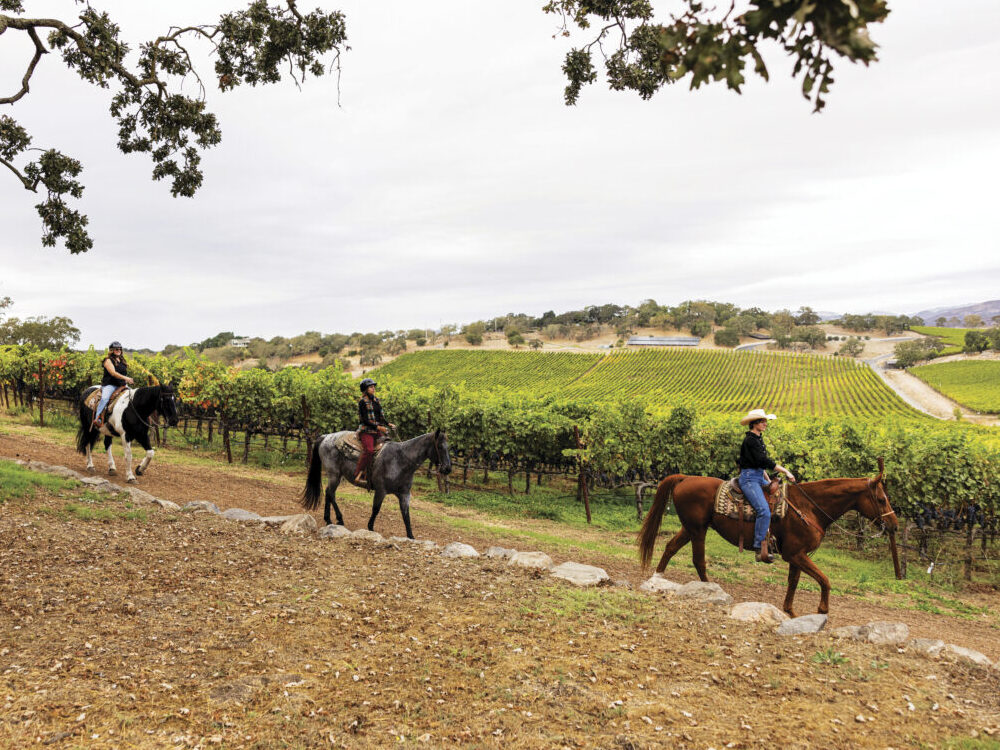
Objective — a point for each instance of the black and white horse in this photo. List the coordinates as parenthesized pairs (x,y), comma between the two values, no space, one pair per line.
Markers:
(392,472)
(129,420)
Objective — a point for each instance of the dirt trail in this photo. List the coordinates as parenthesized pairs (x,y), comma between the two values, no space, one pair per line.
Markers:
(274,493)
(189,631)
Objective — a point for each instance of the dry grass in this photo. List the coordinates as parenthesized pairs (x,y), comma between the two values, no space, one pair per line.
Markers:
(184,630)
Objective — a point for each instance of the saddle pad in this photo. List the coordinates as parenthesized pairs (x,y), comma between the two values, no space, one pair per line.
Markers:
(94,398)
(350,444)
(728,497)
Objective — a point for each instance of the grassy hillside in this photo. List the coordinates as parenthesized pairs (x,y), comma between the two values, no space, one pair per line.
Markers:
(975,384)
(709,380)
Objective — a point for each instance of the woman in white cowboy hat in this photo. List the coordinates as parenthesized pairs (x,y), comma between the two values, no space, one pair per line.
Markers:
(754,465)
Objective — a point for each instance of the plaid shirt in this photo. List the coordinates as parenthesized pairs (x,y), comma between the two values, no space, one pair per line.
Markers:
(370,414)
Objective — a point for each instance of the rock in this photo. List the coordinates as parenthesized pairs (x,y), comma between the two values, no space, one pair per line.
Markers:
(275,520)
(538,560)
(884,633)
(368,536)
(929,646)
(758,612)
(968,655)
(166,504)
(581,575)
(196,505)
(459,549)
(425,544)
(238,514)
(802,625)
(709,593)
(62,471)
(99,484)
(501,552)
(141,496)
(848,631)
(299,524)
(334,531)
(659,585)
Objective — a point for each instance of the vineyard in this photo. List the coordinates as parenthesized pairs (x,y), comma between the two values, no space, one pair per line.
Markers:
(975,384)
(606,421)
(952,338)
(706,380)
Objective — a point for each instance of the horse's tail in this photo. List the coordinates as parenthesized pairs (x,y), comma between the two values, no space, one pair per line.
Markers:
(651,526)
(310,495)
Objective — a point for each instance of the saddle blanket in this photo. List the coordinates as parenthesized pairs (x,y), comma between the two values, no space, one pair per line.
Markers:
(350,445)
(729,496)
(94,398)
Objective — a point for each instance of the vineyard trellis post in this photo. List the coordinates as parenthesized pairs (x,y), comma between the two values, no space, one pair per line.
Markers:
(41,394)
(225,441)
(582,489)
(906,538)
(305,429)
(969,554)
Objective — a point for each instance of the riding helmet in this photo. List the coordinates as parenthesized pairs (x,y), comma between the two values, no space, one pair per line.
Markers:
(365,383)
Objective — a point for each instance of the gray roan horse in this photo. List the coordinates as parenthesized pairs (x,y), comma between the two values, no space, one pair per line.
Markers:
(392,472)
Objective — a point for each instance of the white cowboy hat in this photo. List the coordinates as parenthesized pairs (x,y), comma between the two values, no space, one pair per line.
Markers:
(756,414)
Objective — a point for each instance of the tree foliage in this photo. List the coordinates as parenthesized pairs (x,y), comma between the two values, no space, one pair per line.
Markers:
(258,45)
(703,43)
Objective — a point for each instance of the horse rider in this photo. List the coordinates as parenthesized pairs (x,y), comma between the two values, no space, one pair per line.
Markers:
(373,425)
(754,465)
(115,374)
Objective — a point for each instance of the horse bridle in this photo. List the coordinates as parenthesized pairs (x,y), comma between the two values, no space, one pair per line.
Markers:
(871,492)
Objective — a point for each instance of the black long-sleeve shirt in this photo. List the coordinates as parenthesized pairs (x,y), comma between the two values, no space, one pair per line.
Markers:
(753,453)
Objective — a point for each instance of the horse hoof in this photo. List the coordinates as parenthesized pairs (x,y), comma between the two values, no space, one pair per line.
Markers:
(130,480)
(138,472)
(112,473)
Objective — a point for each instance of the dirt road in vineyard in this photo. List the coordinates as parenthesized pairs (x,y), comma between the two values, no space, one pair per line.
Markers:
(276,493)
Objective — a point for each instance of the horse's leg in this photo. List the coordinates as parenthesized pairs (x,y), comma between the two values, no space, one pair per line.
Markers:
(112,470)
(805,562)
(331,499)
(698,552)
(681,538)
(90,458)
(404,508)
(794,571)
(127,449)
(148,447)
(376,507)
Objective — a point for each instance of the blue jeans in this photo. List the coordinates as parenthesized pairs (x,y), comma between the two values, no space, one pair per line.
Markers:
(751,482)
(106,391)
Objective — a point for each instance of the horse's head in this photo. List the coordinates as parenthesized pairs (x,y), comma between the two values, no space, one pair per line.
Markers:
(874,504)
(441,454)
(167,406)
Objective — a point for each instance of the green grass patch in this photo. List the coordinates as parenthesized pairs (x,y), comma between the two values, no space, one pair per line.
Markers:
(972,383)
(18,482)
(565,601)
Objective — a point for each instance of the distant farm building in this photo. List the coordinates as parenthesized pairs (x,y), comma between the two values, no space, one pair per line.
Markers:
(663,341)
(240,342)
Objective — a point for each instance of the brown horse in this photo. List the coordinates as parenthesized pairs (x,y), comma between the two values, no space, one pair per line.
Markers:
(813,507)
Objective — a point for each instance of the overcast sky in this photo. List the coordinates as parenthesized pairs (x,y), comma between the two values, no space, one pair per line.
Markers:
(452,183)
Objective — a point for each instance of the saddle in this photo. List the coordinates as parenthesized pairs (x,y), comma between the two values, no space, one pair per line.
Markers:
(732,503)
(350,445)
(94,398)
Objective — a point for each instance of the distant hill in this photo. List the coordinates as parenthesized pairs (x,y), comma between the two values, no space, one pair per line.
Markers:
(985,310)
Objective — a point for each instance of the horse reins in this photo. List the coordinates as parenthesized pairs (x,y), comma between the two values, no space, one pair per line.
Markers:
(802,516)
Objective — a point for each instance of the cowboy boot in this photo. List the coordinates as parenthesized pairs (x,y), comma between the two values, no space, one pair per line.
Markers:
(762,555)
